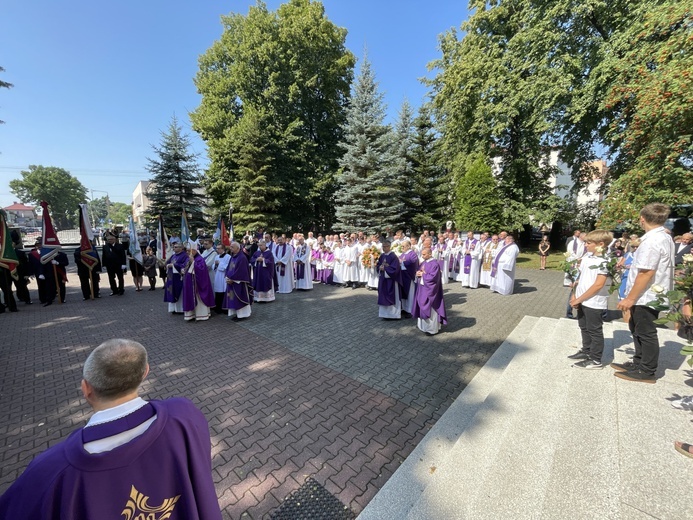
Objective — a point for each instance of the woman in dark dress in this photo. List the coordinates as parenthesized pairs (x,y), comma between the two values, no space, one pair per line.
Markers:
(544,247)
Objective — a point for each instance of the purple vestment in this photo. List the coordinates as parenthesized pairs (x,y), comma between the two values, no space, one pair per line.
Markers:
(410,262)
(197,286)
(174,281)
(468,247)
(494,265)
(167,469)
(327,273)
(430,294)
(388,286)
(237,293)
(263,273)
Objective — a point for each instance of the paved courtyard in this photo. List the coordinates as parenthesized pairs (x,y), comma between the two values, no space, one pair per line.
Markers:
(313,385)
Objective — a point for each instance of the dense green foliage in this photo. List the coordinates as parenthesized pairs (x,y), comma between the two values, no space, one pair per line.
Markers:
(175,181)
(478,205)
(529,75)
(287,74)
(57,186)
(369,191)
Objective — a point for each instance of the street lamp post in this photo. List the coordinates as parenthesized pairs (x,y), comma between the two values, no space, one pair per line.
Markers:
(93,222)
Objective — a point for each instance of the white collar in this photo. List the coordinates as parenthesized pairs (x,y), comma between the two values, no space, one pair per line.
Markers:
(111,414)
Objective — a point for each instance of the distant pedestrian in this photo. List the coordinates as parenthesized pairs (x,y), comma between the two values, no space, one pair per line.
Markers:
(544,247)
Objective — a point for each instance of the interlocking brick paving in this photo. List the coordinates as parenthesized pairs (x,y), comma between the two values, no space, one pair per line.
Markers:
(313,385)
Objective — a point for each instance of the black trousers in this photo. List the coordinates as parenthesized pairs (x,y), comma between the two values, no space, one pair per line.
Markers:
(22,288)
(113,273)
(86,287)
(592,330)
(644,331)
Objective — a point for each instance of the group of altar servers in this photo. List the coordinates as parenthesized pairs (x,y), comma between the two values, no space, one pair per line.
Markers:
(202,277)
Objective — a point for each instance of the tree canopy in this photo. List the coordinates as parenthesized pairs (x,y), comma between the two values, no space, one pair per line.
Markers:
(291,72)
(57,186)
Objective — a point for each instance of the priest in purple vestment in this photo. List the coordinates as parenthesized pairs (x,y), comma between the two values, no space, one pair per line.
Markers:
(409,261)
(262,263)
(133,459)
(198,294)
(429,307)
(389,284)
(237,299)
(175,268)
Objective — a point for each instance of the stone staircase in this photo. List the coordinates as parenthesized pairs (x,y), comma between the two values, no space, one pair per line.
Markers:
(532,437)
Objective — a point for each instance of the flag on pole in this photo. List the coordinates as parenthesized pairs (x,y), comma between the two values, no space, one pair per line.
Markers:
(224,235)
(134,247)
(50,245)
(8,256)
(161,241)
(87,251)
(230,222)
(184,230)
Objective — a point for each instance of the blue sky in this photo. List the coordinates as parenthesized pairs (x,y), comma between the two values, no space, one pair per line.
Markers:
(96,82)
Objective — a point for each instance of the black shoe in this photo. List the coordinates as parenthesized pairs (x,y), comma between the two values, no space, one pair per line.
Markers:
(114,294)
(637,375)
(589,364)
(406,314)
(580,354)
(47,304)
(15,309)
(29,302)
(624,367)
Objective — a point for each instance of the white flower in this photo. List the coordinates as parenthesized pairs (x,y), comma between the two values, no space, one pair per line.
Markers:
(568,254)
(688,258)
(657,289)
(599,250)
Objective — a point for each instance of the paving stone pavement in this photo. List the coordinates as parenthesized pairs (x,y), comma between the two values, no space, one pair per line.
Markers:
(312,385)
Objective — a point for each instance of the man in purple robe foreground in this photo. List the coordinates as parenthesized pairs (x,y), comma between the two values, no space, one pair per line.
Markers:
(263,269)
(133,459)
(429,307)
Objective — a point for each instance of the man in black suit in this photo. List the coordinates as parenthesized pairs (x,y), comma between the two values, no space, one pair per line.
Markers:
(683,247)
(114,260)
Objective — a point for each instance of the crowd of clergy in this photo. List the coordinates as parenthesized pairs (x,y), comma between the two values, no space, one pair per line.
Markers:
(202,277)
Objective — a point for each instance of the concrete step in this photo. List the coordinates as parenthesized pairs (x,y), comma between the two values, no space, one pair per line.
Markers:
(467,477)
(404,488)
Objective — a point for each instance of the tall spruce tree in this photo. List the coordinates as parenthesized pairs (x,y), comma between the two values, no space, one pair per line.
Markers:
(431,197)
(368,196)
(403,149)
(176,180)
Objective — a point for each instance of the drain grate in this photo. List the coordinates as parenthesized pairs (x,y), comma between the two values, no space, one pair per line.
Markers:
(312,502)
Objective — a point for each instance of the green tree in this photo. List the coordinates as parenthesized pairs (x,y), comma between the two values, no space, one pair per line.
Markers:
(175,182)
(57,186)
(292,66)
(4,84)
(478,205)
(652,101)
(98,210)
(369,184)
(119,213)
(430,203)
(255,201)
(493,99)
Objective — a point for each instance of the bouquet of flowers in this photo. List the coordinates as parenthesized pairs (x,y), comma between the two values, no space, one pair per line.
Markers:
(366,257)
(677,304)
(373,254)
(397,248)
(569,267)
(612,268)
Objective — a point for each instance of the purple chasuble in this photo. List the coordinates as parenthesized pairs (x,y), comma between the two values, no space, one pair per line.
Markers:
(409,261)
(262,273)
(197,285)
(174,281)
(388,286)
(430,294)
(467,255)
(300,267)
(494,268)
(237,294)
(166,472)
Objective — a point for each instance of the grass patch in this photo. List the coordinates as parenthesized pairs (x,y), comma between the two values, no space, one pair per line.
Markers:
(529,259)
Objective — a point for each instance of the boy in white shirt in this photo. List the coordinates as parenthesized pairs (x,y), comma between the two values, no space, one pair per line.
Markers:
(653,264)
(590,300)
